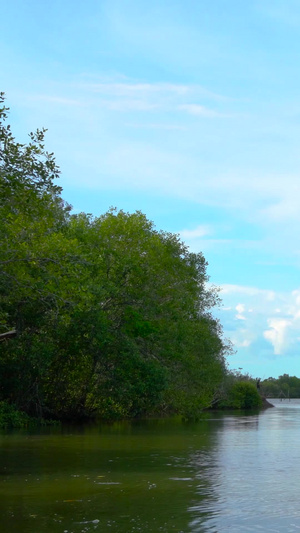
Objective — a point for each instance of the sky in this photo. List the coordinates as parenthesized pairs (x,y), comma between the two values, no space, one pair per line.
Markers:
(190,112)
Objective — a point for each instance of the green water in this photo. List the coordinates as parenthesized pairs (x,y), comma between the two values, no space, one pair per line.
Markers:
(228,472)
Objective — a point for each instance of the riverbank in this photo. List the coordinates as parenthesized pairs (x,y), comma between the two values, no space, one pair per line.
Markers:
(266,404)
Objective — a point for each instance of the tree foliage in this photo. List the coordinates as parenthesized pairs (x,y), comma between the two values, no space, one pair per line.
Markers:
(112,317)
(241,395)
(284,386)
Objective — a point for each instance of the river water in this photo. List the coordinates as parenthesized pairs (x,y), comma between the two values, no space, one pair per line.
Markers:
(230,472)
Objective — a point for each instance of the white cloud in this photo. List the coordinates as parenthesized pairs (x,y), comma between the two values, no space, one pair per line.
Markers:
(245,343)
(202,111)
(294,307)
(131,88)
(240,310)
(128,87)
(247,291)
(254,194)
(278,334)
(132,95)
(156,126)
(57,100)
(199,231)
(242,338)
(268,315)
(170,154)
(130,105)
(296,296)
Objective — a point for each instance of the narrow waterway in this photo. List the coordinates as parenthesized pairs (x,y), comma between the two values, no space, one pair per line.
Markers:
(228,472)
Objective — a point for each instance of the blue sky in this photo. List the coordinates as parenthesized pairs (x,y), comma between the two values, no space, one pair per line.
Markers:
(190,112)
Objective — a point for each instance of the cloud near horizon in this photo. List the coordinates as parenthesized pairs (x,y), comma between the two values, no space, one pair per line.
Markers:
(253,316)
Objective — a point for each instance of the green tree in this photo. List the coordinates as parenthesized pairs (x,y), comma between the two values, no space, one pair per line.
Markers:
(153,293)
(241,395)
(35,261)
(112,317)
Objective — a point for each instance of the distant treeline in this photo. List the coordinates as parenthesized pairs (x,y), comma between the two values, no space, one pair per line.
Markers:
(284,386)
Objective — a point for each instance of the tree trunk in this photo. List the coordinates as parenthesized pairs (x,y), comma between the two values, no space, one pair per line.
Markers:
(8,335)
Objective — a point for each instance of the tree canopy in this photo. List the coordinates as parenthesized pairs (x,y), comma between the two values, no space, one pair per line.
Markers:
(99,316)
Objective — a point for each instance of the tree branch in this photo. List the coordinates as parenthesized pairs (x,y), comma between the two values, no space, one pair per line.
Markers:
(8,335)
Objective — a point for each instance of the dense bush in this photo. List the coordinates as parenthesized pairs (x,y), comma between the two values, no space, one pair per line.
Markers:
(11,417)
(241,395)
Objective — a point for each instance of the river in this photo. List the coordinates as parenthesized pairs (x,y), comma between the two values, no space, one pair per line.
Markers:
(230,472)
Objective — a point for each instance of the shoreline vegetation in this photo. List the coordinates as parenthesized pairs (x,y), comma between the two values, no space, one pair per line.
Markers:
(10,417)
(101,317)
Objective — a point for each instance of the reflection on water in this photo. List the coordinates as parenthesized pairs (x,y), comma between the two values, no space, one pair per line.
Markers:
(253,474)
(228,472)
